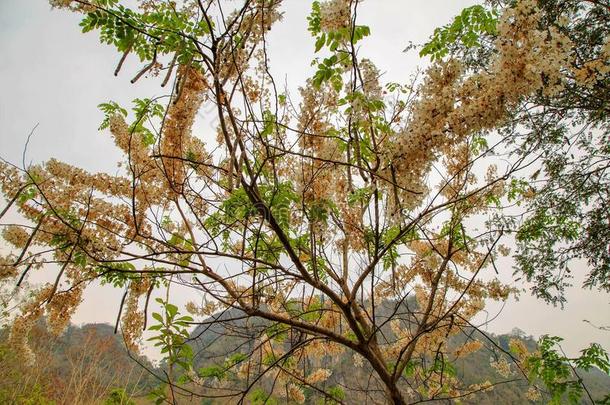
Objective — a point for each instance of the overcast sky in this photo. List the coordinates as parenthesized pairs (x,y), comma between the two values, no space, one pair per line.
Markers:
(53,76)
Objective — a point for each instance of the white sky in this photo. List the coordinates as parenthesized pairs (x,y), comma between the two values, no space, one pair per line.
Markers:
(54,76)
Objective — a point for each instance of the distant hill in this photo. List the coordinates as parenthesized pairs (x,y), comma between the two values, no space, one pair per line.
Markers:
(214,342)
(86,363)
(82,366)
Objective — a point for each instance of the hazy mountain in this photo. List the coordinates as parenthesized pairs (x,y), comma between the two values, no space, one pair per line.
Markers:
(82,366)
(215,342)
(87,362)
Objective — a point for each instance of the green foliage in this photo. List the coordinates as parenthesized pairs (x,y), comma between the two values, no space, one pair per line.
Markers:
(165,30)
(443,367)
(28,194)
(318,268)
(238,207)
(338,42)
(517,188)
(543,222)
(466,28)
(162,30)
(118,396)
(313,312)
(359,196)
(144,110)
(35,396)
(15,386)
(259,396)
(538,257)
(360,31)
(557,373)
(277,331)
(478,144)
(329,70)
(391,258)
(221,372)
(337,392)
(320,210)
(57,378)
(115,273)
(604,401)
(410,369)
(314,18)
(458,234)
(159,395)
(109,109)
(593,356)
(172,335)
(280,199)
(212,372)
(567,216)
(269,124)
(181,244)
(235,359)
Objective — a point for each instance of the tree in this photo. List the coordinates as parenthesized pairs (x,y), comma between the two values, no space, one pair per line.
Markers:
(310,215)
(566,214)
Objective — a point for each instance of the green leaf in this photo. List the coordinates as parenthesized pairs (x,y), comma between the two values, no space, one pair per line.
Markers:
(467,28)
(320,42)
(171,309)
(212,372)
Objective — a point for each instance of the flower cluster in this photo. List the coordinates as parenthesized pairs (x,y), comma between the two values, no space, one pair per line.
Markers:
(22,324)
(15,235)
(334,15)
(451,107)
(7,267)
(502,367)
(370,79)
(253,24)
(132,323)
(295,394)
(470,346)
(176,138)
(320,375)
(61,307)
(533,394)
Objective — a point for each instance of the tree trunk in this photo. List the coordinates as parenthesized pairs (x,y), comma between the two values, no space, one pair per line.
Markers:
(393,393)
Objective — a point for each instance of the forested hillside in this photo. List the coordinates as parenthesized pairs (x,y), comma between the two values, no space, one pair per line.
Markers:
(89,365)
(226,339)
(85,365)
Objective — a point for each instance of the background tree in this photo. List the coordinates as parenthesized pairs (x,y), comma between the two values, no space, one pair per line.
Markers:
(308,216)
